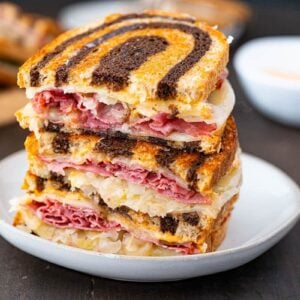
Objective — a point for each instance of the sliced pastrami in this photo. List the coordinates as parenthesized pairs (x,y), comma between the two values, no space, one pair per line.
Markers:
(91,114)
(163,125)
(157,181)
(66,216)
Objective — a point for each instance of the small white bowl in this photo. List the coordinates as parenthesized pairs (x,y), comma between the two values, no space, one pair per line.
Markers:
(269,70)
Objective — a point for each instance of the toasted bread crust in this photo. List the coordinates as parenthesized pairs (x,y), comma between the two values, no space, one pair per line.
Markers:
(144,84)
(216,165)
(200,171)
(219,228)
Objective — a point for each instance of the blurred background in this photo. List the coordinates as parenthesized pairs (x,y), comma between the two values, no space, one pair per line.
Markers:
(53,7)
(267,110)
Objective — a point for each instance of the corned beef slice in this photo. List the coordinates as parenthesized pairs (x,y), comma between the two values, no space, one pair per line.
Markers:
(157,181)
(67,216)
(163,125)
(92,114)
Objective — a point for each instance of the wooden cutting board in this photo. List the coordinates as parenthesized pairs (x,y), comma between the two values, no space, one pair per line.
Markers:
(11,100)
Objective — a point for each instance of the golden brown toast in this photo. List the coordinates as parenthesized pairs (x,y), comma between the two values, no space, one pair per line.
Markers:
(180,60)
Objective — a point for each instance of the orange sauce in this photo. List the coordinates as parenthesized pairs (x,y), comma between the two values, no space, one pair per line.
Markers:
(284,74)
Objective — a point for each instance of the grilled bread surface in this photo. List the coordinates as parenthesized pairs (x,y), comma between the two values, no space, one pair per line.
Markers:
(153,56)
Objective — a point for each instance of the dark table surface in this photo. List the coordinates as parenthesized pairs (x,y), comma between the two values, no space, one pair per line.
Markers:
(274,275)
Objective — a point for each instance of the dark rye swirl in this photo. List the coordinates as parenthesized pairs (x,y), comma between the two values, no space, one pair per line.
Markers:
(179,59)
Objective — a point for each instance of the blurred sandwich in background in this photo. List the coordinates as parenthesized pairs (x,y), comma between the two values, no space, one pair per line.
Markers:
(21,35)
(229,15)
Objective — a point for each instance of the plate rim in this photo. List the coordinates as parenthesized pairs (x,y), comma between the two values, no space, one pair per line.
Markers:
(289,222)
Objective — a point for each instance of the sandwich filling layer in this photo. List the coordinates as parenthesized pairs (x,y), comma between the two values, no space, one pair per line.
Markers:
(63,216)
(130,178)
(165,232)
(112,241)
(116,192)
(76,111)
(167,187)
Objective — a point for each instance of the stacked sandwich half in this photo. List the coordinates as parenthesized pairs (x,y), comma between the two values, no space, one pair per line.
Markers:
(133,149)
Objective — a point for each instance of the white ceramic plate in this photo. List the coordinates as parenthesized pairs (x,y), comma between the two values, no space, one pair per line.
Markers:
(268,208)
(269,71)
